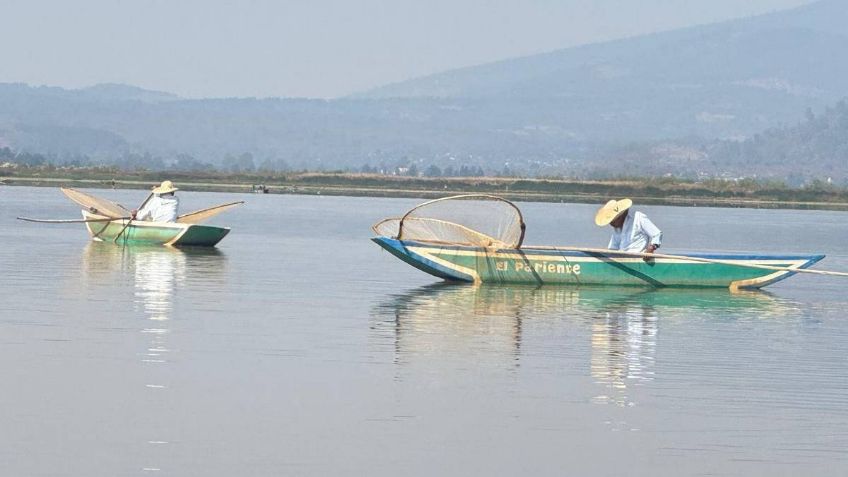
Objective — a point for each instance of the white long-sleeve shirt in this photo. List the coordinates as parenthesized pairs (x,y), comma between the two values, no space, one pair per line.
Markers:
(160,209)
(635,234)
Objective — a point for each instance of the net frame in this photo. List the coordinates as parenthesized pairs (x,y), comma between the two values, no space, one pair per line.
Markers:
(96,205)
(199,216)
(107,208)
(466,230)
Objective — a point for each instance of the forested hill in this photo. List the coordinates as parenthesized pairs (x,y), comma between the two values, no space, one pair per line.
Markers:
(817,147)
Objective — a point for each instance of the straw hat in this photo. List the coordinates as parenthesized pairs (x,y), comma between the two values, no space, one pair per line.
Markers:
(164,188)
(611,210)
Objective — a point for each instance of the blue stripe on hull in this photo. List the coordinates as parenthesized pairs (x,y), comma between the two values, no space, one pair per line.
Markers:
(399,250)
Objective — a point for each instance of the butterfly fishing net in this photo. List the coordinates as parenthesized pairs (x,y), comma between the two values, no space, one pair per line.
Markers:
(96,205)
(476,220)
(202,215)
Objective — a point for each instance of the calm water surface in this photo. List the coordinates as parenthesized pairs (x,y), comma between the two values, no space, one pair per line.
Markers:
(298,347)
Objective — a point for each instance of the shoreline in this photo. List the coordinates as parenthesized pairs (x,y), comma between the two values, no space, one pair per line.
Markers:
(312,184)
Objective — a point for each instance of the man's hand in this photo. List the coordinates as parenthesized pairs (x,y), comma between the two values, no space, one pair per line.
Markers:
(134,213)
(649,249)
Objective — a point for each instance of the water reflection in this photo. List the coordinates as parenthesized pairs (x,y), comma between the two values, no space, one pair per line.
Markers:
(485,324)
(624,337)
(155,275)
(448,320)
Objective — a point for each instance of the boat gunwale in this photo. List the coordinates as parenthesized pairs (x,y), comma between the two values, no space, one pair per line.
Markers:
(146,223)
(566,251)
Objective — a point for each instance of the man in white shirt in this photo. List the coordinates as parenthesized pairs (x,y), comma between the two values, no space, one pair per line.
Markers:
(162,207)
(632,230)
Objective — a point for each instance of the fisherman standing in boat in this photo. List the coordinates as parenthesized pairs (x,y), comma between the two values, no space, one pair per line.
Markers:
(162,207)
(632,230)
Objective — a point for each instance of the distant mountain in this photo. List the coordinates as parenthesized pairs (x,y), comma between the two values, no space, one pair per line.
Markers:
(122,92)
(304,133)
(557,113)
(729,79)
(793,52)
(99,92)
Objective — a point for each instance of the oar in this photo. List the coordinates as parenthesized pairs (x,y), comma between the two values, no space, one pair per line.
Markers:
(604,251)
(71,221)
(149,196)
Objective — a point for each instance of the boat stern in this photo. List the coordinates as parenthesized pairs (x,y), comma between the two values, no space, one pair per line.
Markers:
(200,236)
(799,262)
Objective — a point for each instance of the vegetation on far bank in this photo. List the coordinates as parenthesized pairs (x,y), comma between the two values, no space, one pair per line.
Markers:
(646,189)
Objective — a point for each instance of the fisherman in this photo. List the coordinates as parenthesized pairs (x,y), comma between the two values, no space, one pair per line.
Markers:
(162,207)
(632,230)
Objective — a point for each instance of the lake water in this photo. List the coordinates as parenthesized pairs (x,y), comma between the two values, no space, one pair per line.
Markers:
(298,347)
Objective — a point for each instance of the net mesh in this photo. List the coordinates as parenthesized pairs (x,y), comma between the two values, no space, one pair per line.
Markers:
(96,205)
(477,220)
(199,216)
(107,208)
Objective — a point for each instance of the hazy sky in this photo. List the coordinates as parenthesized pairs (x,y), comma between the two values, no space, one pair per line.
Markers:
(313,48)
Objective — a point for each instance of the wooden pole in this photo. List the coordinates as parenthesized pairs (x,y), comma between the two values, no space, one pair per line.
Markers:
(149,196)
(71,221)
(603,251)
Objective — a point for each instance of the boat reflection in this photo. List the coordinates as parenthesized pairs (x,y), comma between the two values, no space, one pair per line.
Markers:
(621,326)
(156,278)
(157,273)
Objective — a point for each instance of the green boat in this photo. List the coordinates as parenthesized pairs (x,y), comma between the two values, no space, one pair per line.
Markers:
(445,239)
(108,221)
(155,233)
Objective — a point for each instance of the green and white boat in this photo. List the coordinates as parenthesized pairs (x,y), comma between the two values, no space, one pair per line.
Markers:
(107,221)
(158,233)
(443,239)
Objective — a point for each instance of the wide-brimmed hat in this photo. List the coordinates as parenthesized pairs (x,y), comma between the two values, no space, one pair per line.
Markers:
(164,188)
(611,210)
